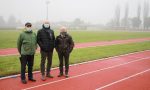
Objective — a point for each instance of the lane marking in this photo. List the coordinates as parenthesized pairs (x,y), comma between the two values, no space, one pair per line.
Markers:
(115,66)
(121,80)
(102,59)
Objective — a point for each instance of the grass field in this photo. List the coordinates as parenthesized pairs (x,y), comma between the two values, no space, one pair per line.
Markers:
(11,65)
(8,38)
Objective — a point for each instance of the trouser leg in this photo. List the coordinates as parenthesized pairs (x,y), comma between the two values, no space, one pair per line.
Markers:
(43,59)
(66,56)
(60,55)
(23,66)
(49,62)
(30,66)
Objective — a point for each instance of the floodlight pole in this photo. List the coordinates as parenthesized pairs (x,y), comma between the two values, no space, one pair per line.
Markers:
(47,3)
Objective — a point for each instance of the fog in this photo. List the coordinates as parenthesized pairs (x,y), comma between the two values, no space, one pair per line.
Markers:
(90,11)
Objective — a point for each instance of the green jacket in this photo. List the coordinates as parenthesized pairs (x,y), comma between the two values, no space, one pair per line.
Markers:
(27,43)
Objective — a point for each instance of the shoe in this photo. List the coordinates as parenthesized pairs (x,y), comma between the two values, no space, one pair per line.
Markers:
(60,75)
(66,75)
(33,80)
(24,81)
(43,77)
(49,76)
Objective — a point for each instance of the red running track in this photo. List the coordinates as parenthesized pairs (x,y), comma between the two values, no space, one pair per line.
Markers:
(126,72)
(13,51)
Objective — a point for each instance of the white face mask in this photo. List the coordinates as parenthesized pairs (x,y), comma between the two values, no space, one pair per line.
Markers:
(46,25)
(29,29)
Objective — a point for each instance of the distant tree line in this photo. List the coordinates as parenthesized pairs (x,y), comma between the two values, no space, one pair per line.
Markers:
(10,23)
(137,22)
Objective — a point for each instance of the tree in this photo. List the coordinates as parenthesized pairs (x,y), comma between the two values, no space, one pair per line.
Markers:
(110,23)
(145,14)
(77,22)
(139,16)
(125,20)
(12,22)
(147,23)
(2,22)
(136,22)
(117,16)
(139,11)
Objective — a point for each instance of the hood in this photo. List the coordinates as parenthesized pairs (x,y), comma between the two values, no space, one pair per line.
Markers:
(28,31)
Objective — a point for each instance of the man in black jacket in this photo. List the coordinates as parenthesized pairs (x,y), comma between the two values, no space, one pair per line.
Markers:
(64,46)
(46,41)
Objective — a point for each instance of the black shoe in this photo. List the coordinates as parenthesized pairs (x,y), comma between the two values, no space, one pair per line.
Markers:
(60,75)
(24,81)
(33,80)
(43,78)
(49,76)
(66,75)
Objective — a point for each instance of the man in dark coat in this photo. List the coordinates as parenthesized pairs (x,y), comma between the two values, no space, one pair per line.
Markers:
(64,46)
(46,41)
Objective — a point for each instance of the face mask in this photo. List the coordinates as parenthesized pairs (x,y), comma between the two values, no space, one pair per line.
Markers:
(29,29)
(63,33)
(46,25)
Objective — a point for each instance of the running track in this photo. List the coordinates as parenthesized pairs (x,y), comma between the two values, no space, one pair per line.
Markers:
(125,72)
(13,51)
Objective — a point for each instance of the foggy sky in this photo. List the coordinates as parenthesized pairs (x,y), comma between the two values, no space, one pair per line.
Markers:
(93,11)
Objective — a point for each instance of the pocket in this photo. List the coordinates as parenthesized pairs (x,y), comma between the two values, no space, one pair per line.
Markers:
(27,47)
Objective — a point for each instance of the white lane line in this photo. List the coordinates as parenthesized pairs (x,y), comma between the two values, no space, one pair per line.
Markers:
(121,80)
(115,66)
(14,76)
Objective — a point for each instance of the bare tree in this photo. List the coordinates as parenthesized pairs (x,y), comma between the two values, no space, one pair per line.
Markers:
(136,21)
(145,14)
(139,11)
(2,22)
(117,16)
(12,22)
(125,20)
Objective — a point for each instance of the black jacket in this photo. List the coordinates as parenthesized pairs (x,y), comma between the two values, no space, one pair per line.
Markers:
(64,44)
(46,39)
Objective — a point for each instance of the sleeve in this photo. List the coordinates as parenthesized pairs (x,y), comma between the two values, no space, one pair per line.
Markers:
(71,42)
(54,38)
(36,41)
(39,39)
(56,44)
(19,43)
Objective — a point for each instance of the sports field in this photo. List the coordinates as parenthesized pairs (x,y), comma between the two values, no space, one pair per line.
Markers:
(11,65)
(87,60)
(8,38)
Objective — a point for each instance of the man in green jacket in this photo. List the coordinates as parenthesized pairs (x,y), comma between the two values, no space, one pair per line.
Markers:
(27,45)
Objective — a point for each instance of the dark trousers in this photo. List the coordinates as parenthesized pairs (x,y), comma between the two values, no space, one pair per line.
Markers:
(63,57)
(44,56)
(26,60)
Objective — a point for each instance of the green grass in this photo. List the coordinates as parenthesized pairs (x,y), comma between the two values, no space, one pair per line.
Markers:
(11,65)
(8,38)
(91,36)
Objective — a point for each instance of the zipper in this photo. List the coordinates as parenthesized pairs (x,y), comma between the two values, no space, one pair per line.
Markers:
(31,41)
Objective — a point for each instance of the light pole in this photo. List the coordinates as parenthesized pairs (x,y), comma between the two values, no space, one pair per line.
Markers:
(47,3)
